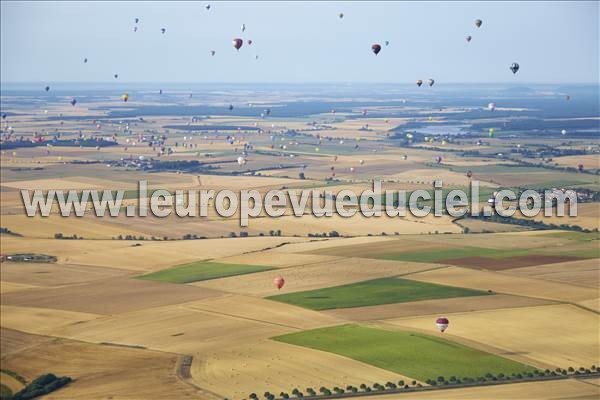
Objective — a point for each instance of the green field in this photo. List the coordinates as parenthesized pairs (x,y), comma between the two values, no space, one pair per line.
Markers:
(202,271)
(372,293)
(411,354)
(435,255)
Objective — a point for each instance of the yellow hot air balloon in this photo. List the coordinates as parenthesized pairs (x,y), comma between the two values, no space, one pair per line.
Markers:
(125,97)
(491,132)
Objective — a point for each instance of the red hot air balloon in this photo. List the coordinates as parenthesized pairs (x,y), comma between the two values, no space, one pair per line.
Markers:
(279,282)
(237,43)
(376,48)
(442,323)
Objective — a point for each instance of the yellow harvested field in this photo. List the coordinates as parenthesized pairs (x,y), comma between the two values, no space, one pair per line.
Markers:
(88,226)
(268,365)
(175,328)
(590,161)
(592,304)
(434,307)
(277,259)
(54,274)
(253,309)
(357,225)
(503,283)
(588,216)
(581,272)
(151,256)
(557,335)
(41,321)
(7,287)
(103,372)
(314,276)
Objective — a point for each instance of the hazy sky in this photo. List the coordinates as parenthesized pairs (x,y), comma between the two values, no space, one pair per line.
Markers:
(554,42)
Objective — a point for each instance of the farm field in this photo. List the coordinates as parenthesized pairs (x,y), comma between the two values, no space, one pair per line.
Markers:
(202,271)
(413,354)
(528,336)
(375,292)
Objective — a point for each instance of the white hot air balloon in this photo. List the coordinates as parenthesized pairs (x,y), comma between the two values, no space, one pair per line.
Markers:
(442,323)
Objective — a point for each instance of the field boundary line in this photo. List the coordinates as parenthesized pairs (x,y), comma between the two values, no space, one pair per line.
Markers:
(202,310)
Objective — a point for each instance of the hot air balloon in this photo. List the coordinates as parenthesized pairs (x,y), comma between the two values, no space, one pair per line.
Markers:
(47,88)
(237,43)
(361,162)
(125,97)
(404,157)
(241,160)
(256,57)
(563,132)
(212,52)
(341,15)
(438,159)
(514,67)
(491,106)
(137,20)
(207,6)
(478,22)
(230,107)
(567,97)
(243,27)
(116,76)
(73,102)
(163,30)
(352,169)
(469,174)
(376,48)
(491,132)
(430,82)
(468,38)
(442,323)
(249,42)
(580,167)
(279,282)
(387,42)
(419,82)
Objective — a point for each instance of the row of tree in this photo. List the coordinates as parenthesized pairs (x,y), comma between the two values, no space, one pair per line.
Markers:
(439,381)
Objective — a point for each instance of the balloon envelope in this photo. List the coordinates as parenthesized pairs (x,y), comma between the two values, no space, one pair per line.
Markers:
(442,323)
(237,43)
(279,282)
(376,48)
